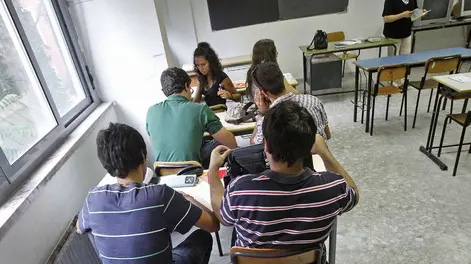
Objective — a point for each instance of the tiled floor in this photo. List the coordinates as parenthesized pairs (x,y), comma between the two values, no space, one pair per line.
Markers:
(410,211)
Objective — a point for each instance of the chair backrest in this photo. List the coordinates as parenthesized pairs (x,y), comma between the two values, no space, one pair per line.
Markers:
(336,36)
(166,169)
(219,108)
(467,121)
(241,255)
(446,64)
(392,73)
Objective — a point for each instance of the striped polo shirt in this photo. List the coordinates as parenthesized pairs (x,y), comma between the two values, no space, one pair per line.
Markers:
(271,210)
(132,224)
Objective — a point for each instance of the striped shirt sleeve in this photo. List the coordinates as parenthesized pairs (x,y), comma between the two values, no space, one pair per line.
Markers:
(350,197)
(84,218)
(180,214)
(227,214)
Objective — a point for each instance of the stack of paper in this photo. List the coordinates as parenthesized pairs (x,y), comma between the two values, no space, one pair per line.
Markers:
(460,78)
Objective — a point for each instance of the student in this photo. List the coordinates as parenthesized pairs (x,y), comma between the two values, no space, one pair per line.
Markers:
(398,25)
(287,206)
(264,50)
(176,126)
(269,79)
(132,221)
(214,84)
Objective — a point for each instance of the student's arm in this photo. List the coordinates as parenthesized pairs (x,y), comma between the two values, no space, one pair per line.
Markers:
(226,138)
(327,132)
(289,88)
(182,213)
(331,164)
(252,137)
(198,93)
(211,123)
(229,91)
(83,219)
(394,18)
(208,220)
(218,157)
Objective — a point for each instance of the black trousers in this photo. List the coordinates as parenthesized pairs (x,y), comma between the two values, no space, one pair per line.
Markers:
(196,249)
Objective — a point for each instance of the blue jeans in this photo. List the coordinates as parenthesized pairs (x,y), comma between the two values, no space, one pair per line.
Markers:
(196,249)
(206,149)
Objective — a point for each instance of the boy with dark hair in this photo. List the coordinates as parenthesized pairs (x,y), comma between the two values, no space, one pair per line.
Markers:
(271,90)
(176,126)
(132,221)
(288,206)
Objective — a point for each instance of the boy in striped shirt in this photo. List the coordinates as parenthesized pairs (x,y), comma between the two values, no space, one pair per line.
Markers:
(131,221)
(288,206)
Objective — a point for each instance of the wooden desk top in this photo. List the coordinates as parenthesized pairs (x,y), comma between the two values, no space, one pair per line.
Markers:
(226,62)
(201,191)
(455,85)
(236,129)
(363,45)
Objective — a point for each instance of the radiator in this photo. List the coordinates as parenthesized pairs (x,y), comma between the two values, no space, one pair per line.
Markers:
(74,249)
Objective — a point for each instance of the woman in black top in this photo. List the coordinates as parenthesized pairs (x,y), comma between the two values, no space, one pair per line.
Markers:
(398,25)
(214,84)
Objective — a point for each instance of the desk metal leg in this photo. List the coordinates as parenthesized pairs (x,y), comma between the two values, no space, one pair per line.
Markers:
(433,121)
(370,80)
(413,42)
(355,106)
(468,40)
(304,72)
(436,123)
(380,49)
(465,106)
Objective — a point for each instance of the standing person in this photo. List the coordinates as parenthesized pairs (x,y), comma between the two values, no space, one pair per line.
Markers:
(132,221)
(176,126)
(214,84)
(264,50)
(398,24)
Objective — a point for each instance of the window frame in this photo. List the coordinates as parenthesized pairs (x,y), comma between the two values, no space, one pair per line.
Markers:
(16,173)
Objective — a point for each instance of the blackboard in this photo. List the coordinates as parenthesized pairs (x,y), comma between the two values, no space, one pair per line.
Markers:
(225,14)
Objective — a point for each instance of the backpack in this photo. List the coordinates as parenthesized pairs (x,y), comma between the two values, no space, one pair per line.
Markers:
(319,41)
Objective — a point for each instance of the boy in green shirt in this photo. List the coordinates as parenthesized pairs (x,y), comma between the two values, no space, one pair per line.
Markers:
(176,125)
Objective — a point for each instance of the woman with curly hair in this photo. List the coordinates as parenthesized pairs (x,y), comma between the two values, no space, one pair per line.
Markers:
(214,84)
(264,50)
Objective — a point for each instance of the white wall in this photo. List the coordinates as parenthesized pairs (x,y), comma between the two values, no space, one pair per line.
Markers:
(363,19)
(123,41)
(34,235)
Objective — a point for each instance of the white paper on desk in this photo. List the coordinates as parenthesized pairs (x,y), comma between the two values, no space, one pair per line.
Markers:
(460,78)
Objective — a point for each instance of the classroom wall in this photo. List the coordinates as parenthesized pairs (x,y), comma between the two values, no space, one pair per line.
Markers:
(124,43)
(363,19)
(35,234)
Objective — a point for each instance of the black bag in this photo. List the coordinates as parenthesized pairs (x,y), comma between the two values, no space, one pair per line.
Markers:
(251,160)
(319,41)
(246,160)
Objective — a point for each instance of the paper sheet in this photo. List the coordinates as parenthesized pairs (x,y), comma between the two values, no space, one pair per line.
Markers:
(460,78)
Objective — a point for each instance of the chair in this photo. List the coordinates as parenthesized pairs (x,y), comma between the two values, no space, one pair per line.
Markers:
(463,120)
(164,169)
(446,64)
(241,255)
(219,108)
(340,36)
(385,86)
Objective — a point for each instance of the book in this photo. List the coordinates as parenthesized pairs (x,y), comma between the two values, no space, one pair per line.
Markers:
(418,13)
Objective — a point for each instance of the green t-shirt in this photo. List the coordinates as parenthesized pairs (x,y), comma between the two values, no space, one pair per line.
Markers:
(176,127)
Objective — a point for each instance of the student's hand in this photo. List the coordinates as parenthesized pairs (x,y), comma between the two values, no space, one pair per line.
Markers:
(218,156)
(261,101)
(407,14)
(224,94)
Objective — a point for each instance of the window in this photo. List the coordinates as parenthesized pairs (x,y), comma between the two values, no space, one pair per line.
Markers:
(45,87)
